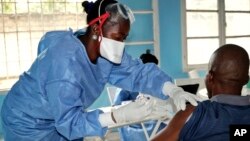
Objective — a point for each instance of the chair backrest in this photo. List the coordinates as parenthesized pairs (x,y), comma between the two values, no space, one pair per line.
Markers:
(112,90)
(202,91)
(189,81)
(192,88)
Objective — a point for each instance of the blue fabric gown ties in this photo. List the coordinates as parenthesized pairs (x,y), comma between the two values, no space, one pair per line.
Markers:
(48,102)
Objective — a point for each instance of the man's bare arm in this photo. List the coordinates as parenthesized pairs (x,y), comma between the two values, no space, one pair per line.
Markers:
(172,131)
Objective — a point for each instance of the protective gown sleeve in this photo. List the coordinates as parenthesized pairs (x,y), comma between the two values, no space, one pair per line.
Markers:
(71,120)
(43,45)
(133,75)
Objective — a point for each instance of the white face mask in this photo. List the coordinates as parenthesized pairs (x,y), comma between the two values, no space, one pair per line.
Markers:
(112,50)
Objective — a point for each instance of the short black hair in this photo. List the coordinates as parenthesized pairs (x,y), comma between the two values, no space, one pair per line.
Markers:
(92,8)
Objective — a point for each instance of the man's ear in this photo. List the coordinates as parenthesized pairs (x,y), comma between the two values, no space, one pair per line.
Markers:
(210,79)
(245,81)
(210,76)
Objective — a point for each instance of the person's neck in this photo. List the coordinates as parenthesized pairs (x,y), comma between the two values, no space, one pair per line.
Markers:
(227,89)
(233,93)
(90,47)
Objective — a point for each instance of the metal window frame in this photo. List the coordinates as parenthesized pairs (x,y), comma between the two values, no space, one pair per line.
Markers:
(28,30)
(155,42)
(156,32)
(222,33)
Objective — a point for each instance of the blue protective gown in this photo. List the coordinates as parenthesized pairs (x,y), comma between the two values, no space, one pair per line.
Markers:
(211,119)
(134,132)
(48,102)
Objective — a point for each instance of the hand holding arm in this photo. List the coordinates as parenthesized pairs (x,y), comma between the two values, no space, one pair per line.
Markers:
(179,96)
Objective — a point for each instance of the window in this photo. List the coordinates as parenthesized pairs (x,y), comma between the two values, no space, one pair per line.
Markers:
(208,24)
(22,24)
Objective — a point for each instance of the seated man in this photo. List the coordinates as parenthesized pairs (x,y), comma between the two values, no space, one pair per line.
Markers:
(135,132)
(227,74)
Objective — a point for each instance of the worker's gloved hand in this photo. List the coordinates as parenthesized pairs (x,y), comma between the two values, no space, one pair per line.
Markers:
(162,109)
(179,96)
(133,111)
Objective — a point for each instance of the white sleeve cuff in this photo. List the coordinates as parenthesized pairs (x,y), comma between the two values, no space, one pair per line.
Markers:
(105,119)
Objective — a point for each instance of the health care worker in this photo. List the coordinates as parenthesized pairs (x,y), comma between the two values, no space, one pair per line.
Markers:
(49,101)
